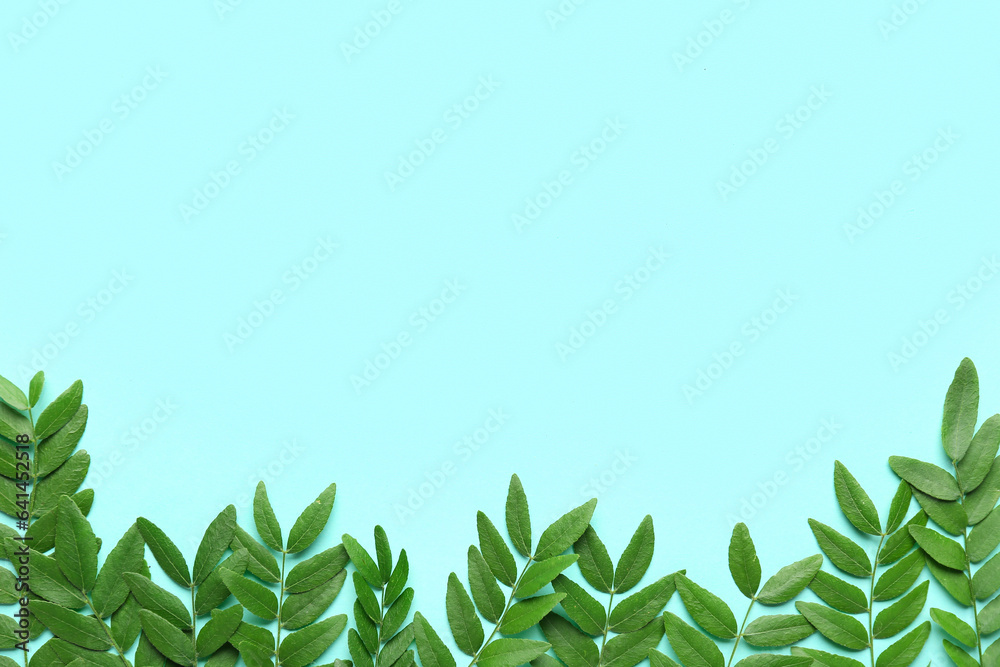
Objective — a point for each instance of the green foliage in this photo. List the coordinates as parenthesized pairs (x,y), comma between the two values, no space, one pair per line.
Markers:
(242,604)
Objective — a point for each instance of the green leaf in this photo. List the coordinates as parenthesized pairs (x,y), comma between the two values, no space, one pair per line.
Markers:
(989,617)
(396,647)
(59,411)
(165,552)
(824,659)
(465,625)
(48,581)
(84,631)
(158,600)
(636,558)
(986,581)
(953,581)
(76,546)
(217,631)
(167,639)
(839,594)
(66,480)
(772,660)
(359,649)
(262,563)
(527,613)
(35,388)
(693,648)
(301,609)
(595,564)
(495,551)
(541,573)
(518,519)
(13,423)
(899,543)
(900,577)
(838,627)
(981,502)
(955,626)
(397,580)
(11,395)
(54,450)
(227,656)
(312,521)
(367,630)
(396,614)
(656,659)
(218,536)
(581,606)
(790,580)
(845,554)
(316,570)
(383,553)
(125,626)
(508,652)
(258,600)
(744,566)
(959,655)
(949,515)
(367,598)
(631,648)
(566,530)
(263,517)
(304,646)
(943,550)
(638,609)
(254,638)
(213,591)
(43,531)
(544,660)
(854,502)
(900,505)
(927,477)
(976,464)
(961,411)
(991,656)
(906,649)
(362,561)
(432,651)
(110,589)
(572,646)
(707,609)
(485,590)
(985,537)
(896,617)
(777,630)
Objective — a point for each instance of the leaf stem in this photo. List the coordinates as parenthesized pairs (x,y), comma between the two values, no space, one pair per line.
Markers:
(381,611)
(607,626)
(968,566)
(281,600)
(743,625)
(510,602)
(871,601)
(194,622)
(104,627)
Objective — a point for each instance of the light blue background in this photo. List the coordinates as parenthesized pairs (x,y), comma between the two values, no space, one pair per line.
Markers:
(163,337)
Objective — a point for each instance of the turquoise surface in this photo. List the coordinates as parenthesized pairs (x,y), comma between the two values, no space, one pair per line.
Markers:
(677,257)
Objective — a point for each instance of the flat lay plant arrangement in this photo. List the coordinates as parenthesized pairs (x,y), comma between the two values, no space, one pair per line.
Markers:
(259,595)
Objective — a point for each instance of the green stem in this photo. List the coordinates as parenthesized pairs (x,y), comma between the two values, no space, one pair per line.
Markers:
(381,612)
(510,602)
(743,625)
(281,600)
(968,568)
(871,601)
(194,629)
(607,628)
(104,627)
